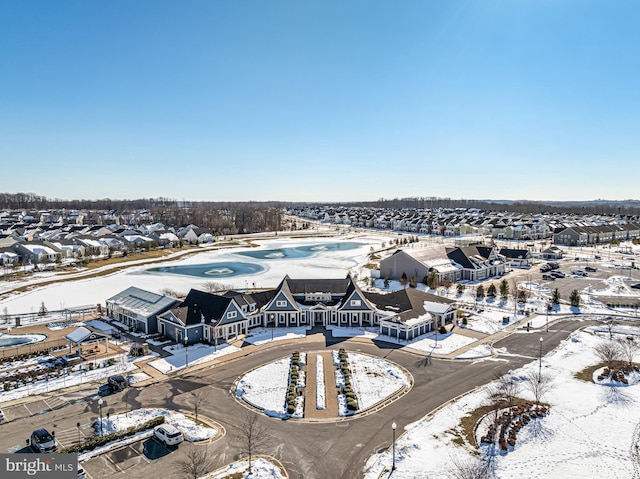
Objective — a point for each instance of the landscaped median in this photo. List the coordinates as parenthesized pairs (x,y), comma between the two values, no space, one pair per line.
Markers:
(361,382)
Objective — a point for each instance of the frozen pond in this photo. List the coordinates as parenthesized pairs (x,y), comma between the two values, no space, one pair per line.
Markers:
(212,270)
(11,340)
(301,251)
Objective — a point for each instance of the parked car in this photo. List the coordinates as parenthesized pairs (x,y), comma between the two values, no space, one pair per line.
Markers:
(168,435)
(545,267)
(558,274)
(117,383)
(580,272)
(636,286)
(548,277)
(81,473)
(43,441)
(590,269)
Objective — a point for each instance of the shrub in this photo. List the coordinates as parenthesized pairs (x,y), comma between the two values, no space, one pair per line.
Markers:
(94,442)
(465,320)
(352,405)
(442,330)
(350,395)
(291,408)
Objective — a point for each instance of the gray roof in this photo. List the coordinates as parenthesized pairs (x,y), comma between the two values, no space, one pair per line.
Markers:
(142,302)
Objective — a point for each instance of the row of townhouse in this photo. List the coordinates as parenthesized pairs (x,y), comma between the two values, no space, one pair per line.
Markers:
(460,221)
(450,263)
(213,318)
(580,235)
(35,244)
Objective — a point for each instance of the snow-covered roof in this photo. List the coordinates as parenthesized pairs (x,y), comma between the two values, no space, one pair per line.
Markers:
(82,334)
(437,308)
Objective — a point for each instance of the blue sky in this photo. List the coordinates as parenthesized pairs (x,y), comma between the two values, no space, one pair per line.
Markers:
(320,101)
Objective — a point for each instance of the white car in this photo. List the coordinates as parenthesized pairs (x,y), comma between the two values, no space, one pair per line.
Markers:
(168,435)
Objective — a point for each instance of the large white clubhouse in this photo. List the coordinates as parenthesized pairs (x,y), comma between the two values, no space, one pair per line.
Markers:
(213,318)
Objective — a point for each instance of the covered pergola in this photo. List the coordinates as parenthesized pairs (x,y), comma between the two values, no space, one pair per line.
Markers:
(84,336)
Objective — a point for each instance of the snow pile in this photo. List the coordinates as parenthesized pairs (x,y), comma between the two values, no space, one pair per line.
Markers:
(261,468)
(481,351)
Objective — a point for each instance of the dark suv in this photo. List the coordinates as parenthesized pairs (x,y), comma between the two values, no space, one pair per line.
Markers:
(117,383)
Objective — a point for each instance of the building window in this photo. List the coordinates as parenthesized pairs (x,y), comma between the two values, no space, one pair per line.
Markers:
(356,302)
(232,314)
(281,304)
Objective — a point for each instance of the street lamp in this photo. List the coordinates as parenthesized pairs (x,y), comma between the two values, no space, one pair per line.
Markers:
(186,350)
(78,428)
(100,401)
(393,446)
(540,368)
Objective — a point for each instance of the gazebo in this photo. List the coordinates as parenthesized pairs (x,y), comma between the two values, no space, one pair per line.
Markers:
(83,336)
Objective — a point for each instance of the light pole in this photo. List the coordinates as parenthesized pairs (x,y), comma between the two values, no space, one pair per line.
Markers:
(549,307)
(540,368)
(186,350)
(393,446)
(100,401)
(78,428)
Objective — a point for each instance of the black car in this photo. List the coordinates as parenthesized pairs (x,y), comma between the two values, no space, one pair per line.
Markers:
(118,383)
(557,274)
(636,286)
(548,277)
(590,269)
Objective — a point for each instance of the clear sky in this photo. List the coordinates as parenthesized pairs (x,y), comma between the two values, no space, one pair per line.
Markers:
(320,101)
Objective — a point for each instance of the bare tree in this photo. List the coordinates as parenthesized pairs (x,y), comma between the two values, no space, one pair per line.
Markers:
(629,349)
(210,286)
(194,463)
(252,434)
(538,383)
(199,399)
(508,388)
(470,468)
(608,351)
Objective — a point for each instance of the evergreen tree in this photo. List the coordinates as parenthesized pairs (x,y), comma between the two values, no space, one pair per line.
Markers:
(555,298)
(504,290)
(491,292)
(575,298)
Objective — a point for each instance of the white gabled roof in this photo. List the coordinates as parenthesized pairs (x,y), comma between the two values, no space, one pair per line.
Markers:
(83,334)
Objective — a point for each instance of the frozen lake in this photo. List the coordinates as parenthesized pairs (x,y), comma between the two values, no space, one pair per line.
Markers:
(234,268)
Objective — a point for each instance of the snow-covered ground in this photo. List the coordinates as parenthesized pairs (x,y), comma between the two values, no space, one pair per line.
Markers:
(374,379)
(259,336)
(75,376)
(332,264)
(266,387)
(192,432)
(195,354)
(592,430)
(261,468)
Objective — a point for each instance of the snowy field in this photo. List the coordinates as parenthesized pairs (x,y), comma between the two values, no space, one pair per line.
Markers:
(330,264)
(266,387)
(592,430)
(195,354)
(374,379)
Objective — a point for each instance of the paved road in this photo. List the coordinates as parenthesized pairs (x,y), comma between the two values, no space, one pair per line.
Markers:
(307,450)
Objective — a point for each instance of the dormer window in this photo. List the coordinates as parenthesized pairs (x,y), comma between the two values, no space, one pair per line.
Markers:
(232,314)
(281,304)
(356,302)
